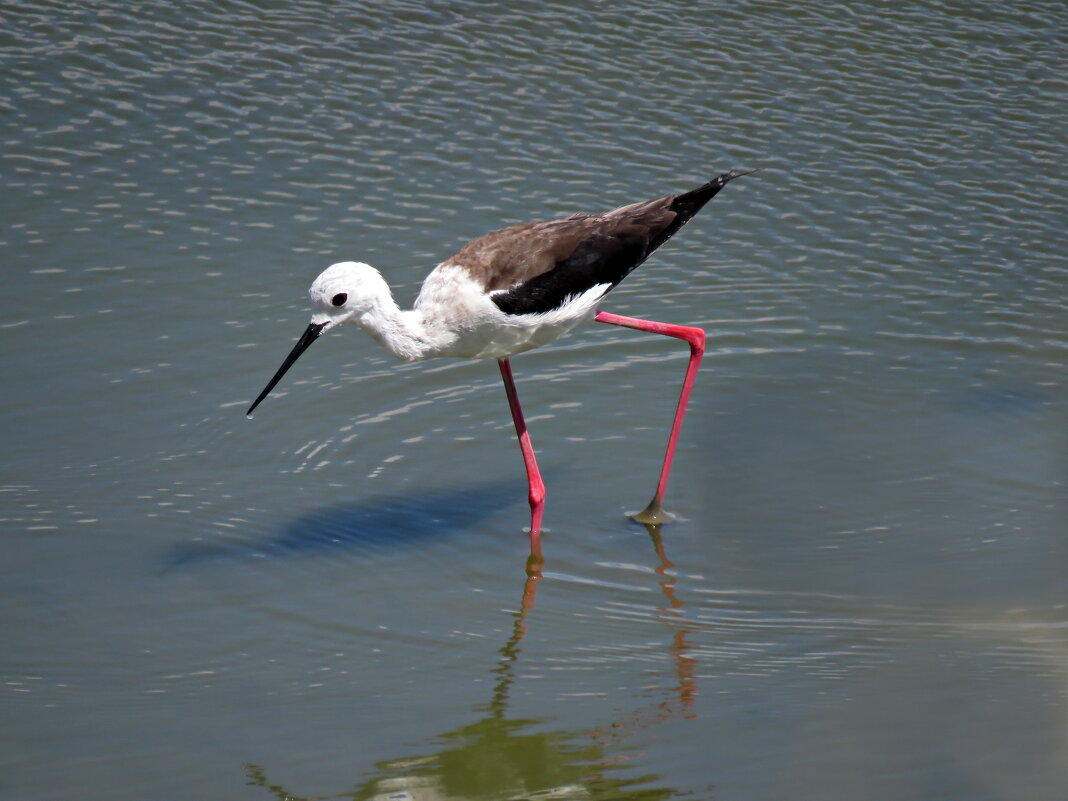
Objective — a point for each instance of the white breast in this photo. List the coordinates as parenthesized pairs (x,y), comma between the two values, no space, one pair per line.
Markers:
(463,321)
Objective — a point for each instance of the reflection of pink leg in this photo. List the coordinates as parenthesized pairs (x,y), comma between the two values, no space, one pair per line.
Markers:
(536,495)
(654,512)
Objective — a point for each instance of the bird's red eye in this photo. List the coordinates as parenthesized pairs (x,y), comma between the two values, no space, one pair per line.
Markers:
(339,299)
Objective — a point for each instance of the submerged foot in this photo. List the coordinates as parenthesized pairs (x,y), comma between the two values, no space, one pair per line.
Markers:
(654,514)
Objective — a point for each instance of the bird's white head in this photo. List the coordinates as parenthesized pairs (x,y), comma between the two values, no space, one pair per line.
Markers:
(349,290)
(344,291)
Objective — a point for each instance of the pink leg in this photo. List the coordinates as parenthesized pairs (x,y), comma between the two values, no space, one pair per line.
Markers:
(536,495)
(654,512)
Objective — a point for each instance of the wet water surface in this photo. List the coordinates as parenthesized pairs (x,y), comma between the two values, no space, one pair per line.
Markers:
(864,593)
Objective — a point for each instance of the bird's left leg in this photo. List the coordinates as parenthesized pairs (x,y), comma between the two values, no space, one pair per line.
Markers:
(654,512)
(536,494)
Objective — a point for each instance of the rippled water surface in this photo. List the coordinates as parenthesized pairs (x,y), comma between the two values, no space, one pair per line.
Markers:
(864,595)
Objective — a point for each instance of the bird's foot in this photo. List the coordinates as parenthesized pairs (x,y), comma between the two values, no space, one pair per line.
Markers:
(535,562)
(654,514)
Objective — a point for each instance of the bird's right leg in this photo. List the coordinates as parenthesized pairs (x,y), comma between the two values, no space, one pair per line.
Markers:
(654,513)
(536,494)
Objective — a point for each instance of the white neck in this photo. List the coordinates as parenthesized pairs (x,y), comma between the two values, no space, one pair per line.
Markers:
(403,333)
(400,332)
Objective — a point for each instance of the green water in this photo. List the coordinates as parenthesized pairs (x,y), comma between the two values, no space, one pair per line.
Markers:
(864,594)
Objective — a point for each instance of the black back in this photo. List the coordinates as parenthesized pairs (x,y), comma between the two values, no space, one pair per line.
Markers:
(564,258)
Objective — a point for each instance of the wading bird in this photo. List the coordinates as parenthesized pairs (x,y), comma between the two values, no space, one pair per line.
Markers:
(512,290)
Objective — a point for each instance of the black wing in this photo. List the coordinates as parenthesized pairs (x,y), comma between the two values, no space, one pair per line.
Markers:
(536,267)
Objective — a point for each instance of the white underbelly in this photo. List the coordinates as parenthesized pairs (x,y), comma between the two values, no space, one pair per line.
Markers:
(459,319)
(503,341)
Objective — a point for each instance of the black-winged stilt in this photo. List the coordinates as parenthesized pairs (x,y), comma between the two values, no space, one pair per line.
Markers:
(512,290)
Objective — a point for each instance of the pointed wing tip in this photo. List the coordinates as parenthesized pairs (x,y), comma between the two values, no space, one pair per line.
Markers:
(730,176)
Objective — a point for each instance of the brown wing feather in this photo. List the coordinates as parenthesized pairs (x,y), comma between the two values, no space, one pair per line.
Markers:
(535,267)
(516,255)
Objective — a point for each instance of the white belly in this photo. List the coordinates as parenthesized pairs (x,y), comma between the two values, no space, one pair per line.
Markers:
(462,321)
(514,336)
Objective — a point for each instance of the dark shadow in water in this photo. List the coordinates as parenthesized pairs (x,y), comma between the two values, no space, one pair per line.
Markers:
(1005,401)
(387,523)
(500,757)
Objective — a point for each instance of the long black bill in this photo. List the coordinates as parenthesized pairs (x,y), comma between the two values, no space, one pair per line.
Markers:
(311,333)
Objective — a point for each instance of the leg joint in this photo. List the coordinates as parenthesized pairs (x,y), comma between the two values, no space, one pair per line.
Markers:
(536,496)
(696,337)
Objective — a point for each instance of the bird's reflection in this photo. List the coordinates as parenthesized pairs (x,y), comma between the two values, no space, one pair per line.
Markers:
(678,700)
(502,757)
